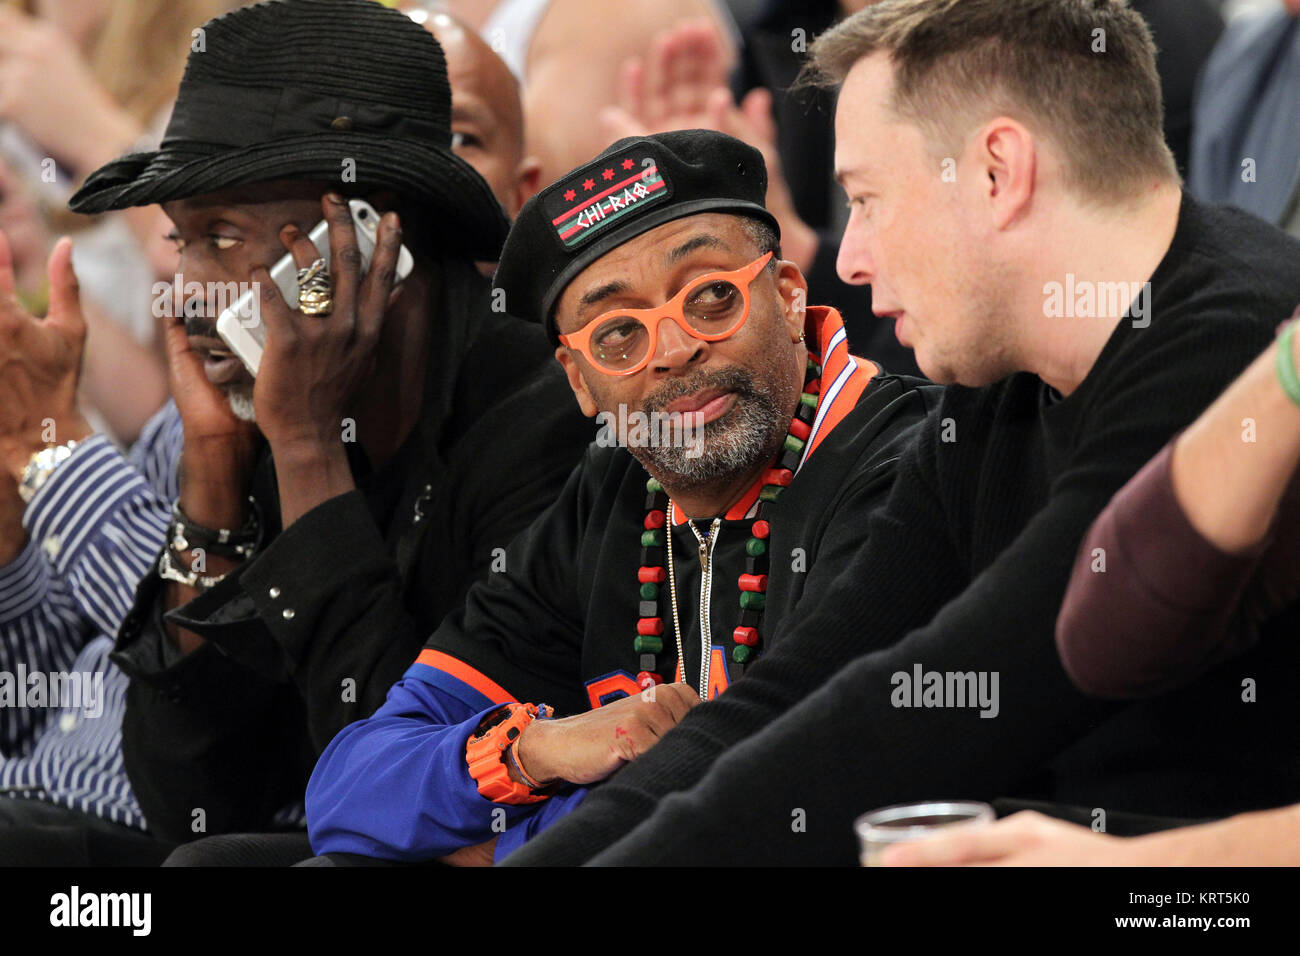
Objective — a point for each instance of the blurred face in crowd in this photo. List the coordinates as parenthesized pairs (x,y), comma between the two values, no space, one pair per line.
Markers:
(920,240)
(487,119)
(221,237)
(740,390)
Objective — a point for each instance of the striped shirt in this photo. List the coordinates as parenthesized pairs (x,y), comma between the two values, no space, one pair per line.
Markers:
(96,527)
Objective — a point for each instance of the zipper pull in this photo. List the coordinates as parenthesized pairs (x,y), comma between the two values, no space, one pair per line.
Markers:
(704,554)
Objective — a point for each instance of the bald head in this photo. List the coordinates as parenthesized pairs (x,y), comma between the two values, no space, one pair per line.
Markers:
(487,119)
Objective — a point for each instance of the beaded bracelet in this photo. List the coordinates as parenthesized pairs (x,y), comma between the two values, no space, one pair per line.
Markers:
(1286,371)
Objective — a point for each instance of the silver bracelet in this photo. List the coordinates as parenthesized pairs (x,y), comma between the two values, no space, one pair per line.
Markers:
(169,572)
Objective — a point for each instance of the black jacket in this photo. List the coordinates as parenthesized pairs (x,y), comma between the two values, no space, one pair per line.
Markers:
(558,626)
(235,727)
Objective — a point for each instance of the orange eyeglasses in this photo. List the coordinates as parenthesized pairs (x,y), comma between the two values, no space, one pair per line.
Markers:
(711,308)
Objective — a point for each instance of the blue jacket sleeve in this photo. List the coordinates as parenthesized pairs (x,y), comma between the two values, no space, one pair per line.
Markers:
(395,786)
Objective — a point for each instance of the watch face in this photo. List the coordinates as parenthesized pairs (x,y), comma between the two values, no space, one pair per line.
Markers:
(498,716)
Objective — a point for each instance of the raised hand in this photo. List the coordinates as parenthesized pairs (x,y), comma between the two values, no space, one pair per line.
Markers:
(40,363)
(48,91)
(682,84)
(314,365)
(29,241)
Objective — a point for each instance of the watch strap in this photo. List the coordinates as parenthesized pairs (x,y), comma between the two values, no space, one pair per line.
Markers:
(486,753)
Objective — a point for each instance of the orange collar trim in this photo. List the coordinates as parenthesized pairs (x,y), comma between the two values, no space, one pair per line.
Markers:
(844,378)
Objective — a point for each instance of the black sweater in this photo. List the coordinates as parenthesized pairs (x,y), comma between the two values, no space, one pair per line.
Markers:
(966,569)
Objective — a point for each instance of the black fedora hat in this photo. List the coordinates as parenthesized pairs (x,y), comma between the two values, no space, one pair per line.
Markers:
(343,91)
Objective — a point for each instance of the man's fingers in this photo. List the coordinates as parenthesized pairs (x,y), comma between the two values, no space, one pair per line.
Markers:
(345,255)
(619,123)
(304,253)
(7,285)
(631,87)
(657,93)
(718,106)
(65,297)
(683,79)
(757,109)
(960,846)
(299,246)
(379,280)
(183,363)
(275,314)
(706,51)
(679,699)
(673,701)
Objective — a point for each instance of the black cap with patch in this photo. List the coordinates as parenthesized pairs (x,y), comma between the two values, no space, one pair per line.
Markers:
(635,185)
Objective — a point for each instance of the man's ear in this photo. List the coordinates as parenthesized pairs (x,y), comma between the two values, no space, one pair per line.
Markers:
(792,287)
(576,381)
(1006,153)
(528,180)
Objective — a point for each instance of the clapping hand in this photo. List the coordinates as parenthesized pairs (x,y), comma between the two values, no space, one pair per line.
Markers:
(682,84)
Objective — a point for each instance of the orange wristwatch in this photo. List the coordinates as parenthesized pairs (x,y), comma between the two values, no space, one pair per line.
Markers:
(490,754)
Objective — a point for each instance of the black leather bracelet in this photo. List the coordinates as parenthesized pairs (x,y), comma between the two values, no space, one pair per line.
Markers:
(185,534)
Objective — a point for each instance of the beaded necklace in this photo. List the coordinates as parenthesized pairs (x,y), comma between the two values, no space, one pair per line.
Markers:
(648,643)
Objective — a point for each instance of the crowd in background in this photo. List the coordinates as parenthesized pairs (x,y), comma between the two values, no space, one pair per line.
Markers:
(82,81)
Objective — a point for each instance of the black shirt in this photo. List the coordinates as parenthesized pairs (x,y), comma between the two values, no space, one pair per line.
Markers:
(359,581)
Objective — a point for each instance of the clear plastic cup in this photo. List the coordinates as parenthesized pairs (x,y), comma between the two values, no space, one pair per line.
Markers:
(905,822)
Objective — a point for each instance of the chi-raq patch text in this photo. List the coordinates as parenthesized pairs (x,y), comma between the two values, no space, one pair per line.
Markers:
(602,194)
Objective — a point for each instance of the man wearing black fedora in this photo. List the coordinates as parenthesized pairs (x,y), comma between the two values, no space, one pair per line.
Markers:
(332,510)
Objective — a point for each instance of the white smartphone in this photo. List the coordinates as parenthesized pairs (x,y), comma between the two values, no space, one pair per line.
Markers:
(240,326)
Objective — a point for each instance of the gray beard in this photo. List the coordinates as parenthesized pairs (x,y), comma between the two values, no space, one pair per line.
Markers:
(241,403)
(743,438)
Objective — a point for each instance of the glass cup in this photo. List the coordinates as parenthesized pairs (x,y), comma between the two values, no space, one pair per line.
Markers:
(914,821)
